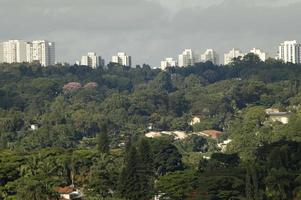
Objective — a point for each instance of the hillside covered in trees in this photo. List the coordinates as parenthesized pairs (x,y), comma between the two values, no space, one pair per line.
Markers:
(73,125)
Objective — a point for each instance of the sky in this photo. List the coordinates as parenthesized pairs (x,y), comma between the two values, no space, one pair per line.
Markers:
(150,30)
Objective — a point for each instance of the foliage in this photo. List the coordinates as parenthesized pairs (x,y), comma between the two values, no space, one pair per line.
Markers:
(52,131)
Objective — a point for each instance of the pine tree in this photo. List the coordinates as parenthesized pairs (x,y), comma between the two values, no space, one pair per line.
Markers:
(137,176)
(103,140)
(146,169)
(129,183)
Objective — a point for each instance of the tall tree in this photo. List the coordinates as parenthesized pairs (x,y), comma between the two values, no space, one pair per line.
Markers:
(129,180)
(103,140)
(146,169)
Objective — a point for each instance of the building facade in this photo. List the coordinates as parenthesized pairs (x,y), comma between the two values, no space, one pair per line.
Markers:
(290,52)
(186,58)
(1,52)
(233,53)
(168,62)
(210,55)
(122,59)
(92,60)
(13,51)
(262,55)
(41,51)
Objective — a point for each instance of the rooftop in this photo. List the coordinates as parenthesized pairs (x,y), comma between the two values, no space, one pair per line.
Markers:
(65,190)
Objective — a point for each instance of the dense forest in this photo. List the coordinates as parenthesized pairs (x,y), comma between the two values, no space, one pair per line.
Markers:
(84,127)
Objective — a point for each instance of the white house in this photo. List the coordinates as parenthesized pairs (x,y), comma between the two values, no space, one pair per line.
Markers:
(194,121)
(69,193)
(276,116)
(34,127)
(223,145)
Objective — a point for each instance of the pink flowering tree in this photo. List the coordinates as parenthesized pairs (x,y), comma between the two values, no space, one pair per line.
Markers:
(72,86)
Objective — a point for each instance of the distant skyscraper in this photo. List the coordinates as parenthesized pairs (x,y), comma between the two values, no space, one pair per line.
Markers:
(122,59)
(262,55)
(92,60)
(13,51)
(186,58)
(168,62)
(290,51)
(233,53)
(41,51)
(1,52)
(210,55)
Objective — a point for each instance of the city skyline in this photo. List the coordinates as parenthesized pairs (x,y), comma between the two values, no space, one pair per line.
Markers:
(151,27)
(17,51)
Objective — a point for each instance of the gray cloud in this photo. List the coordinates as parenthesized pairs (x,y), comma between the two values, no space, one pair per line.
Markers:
(150,30)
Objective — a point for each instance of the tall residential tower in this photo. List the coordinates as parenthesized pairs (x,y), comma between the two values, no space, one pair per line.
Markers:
(233,53)
(262,55)
(168,62)
(13,51)
(92,60)
(186,58)
(41,51)
(210,55)
(290,51)
(122,59)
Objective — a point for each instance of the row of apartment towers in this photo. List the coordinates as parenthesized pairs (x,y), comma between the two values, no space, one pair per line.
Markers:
(288,51)
(43,51)
(95,61)
(18,51)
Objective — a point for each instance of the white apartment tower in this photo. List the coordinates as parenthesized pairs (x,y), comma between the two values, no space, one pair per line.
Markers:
(210,55)
(41,51)
(233,53)
(168,62)
(290,51)
(186,58)
(1,52)
(92,60)
(262,55)
(122,59)
(13,51)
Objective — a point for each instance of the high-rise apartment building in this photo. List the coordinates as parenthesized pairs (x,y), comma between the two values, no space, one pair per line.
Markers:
(1,52)
(41,51)
(122,59)
(290,51)
(168,62)
(186,58)
(210,55)
(92,60)
(18,51)
(233,53)
(13,51)
(262,55)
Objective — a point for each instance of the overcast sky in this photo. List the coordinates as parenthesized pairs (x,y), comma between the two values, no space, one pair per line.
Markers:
(150,30)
